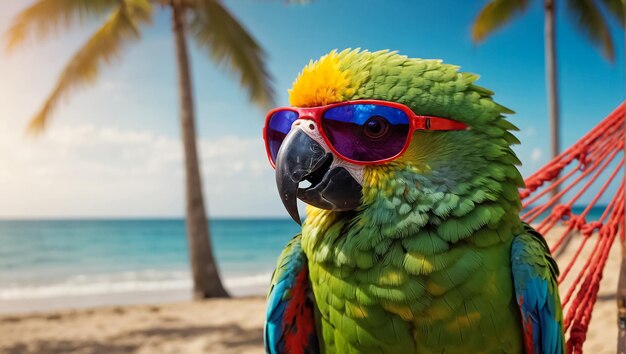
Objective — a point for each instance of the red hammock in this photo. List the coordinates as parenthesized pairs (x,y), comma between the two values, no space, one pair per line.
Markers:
(576,172)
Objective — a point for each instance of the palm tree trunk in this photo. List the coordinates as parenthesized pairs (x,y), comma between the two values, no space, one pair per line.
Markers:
(551,78)
(206,279)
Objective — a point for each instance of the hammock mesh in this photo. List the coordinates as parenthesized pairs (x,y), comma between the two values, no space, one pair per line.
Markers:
(590,172)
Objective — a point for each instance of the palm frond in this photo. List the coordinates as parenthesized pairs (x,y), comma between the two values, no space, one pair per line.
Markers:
(102,47)
(46,17)
(590,21)
(228,42)
(616,8)
(495,15)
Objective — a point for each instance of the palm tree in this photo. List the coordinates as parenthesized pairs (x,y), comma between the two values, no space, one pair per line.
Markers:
(209,24)
(590,20)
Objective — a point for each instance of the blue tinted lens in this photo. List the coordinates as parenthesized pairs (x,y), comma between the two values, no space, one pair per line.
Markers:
(277,128)
(366,132)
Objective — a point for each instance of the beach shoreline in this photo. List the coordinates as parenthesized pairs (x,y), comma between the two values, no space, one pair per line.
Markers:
(60,303)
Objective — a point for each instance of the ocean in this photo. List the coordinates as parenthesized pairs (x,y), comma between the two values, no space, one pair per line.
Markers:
(81,263)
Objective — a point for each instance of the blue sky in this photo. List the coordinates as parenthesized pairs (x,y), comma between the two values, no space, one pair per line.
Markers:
(113,149)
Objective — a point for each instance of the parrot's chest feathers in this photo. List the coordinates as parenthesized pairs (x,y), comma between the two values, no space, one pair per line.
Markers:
(421,286)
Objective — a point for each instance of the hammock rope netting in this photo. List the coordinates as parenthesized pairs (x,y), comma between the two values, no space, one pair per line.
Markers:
(591,169)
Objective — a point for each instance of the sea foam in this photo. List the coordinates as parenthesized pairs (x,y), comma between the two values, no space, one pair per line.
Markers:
(128,282)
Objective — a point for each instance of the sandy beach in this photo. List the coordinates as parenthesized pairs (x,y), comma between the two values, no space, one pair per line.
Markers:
(213,326)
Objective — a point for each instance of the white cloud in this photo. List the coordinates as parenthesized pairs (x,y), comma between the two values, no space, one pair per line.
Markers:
(90,170)
(535,154)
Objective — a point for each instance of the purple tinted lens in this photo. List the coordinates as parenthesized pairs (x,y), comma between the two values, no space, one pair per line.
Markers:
(277,128)
(366,132)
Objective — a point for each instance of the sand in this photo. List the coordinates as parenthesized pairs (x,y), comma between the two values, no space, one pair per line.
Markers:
(213,326)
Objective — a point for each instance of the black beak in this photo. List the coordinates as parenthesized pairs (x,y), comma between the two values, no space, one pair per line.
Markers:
(302,158)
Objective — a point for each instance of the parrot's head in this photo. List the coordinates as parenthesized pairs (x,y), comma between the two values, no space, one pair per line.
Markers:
(456,160)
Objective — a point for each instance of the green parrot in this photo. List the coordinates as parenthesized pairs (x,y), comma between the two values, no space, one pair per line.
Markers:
(412,241)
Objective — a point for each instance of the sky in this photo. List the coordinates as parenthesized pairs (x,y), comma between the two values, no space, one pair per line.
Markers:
(113,149)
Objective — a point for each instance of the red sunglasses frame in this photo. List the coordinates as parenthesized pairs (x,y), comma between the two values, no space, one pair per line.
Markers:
(315,114)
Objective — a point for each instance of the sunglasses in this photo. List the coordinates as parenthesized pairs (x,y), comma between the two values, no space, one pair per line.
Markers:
(362,132)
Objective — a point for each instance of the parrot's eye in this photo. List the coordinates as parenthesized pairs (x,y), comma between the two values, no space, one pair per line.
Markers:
(376,127)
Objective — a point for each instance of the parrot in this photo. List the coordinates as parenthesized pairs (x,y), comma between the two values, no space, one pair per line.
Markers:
(425,253)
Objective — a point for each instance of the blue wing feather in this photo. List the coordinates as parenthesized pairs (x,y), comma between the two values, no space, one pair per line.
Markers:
(290,324)
(535,278)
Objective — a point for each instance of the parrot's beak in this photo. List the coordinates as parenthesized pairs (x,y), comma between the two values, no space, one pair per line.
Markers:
(301,158)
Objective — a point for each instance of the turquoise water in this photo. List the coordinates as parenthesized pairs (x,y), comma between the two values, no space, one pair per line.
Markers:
(40,259)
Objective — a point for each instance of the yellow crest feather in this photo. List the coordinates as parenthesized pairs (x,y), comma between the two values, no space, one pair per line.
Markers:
(322,82)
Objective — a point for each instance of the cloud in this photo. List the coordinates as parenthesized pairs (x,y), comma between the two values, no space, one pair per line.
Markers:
(90,170)
(529,132)
(535,154)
